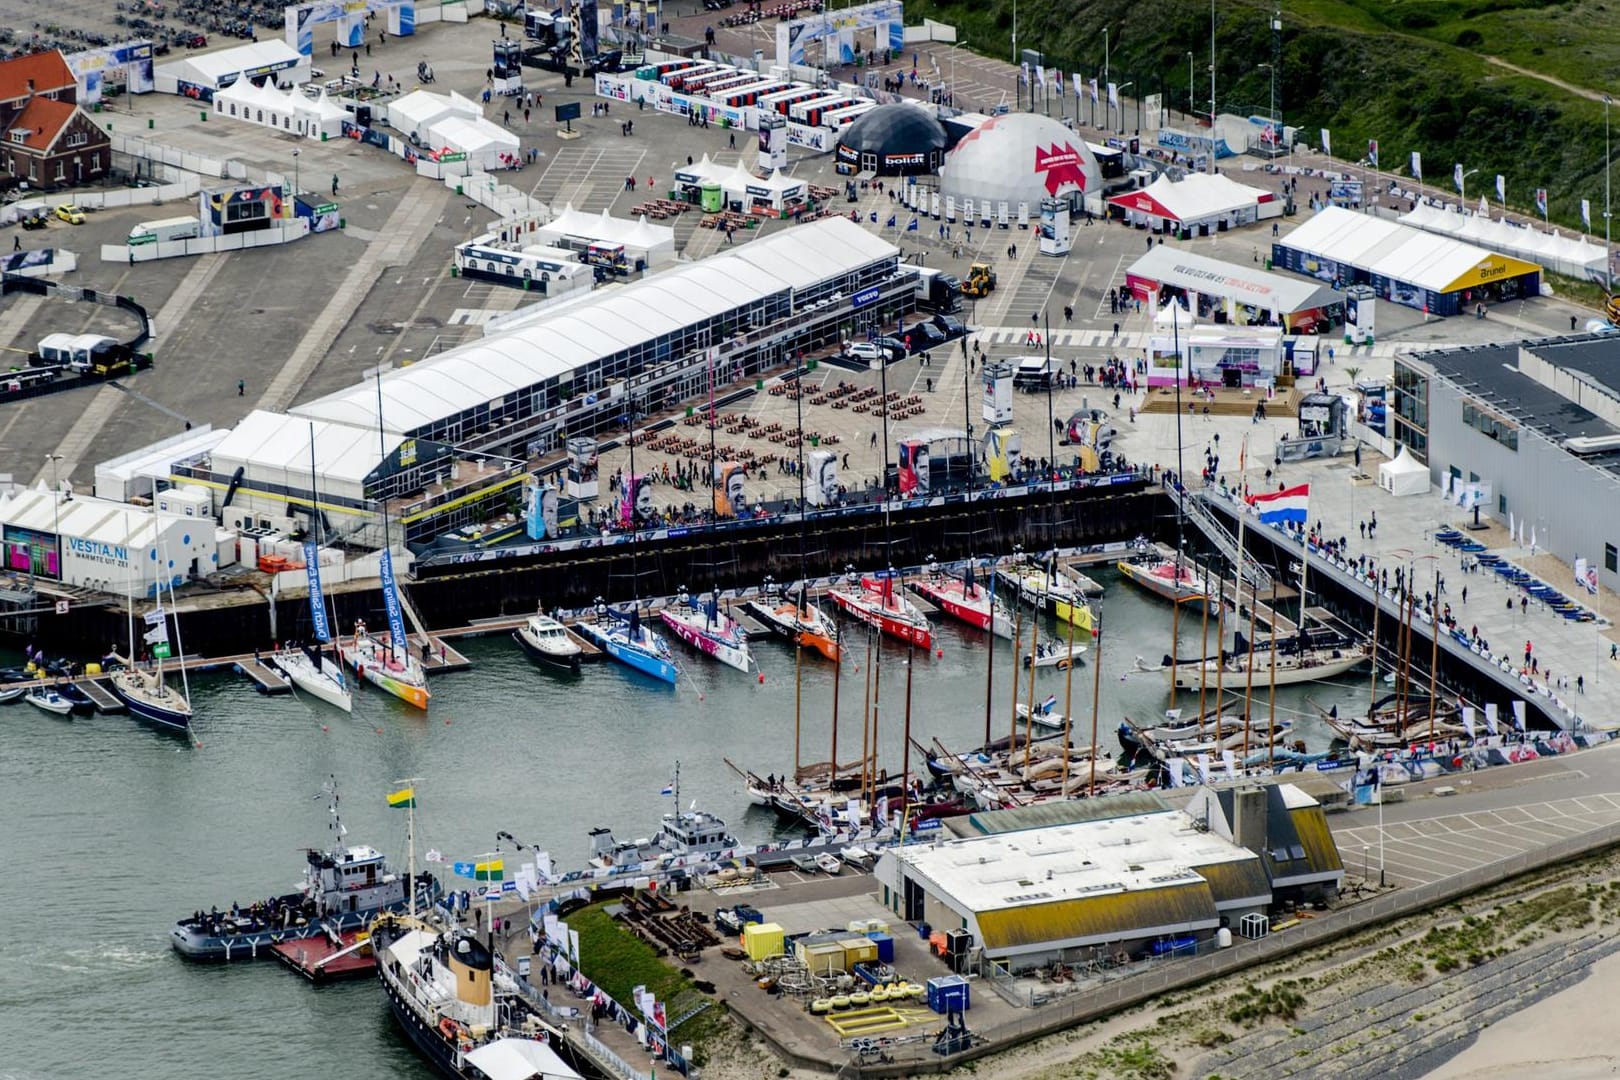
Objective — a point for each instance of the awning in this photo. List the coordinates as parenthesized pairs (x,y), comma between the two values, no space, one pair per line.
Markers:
(520,1059)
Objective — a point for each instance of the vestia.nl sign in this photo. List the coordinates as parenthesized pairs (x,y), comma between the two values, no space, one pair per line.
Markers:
(98,551)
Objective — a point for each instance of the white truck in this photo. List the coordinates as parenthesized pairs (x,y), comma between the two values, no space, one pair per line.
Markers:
(156,232)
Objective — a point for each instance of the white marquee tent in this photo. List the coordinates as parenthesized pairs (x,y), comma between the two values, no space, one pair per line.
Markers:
(284,110)
(214,71)
(643,241)
(483,141)
(1405,475)
(1568,255)
(1197,200)
(412,114)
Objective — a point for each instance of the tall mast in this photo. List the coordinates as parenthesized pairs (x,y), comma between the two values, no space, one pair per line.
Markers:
(1096,693)
(129,591)
(1068,711)
(1271,735)
(382,501)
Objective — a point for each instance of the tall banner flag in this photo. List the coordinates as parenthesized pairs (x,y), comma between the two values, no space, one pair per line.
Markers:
(1501,188)
(1327,142)
(1490,718)
(317,602)
(1094,91)
(403,799)
(1040,76)
(1372,152)
(1586,213)
(1024,78)
(1113,95)
(1541,201)
(1285,506)
(1518,714)
(1079,87)
(1457,175)
(396,621)
(1468,720)
(1417,165)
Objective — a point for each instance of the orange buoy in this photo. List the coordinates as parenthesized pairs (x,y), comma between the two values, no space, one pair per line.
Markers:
(447,721)
(325,728)
(379,731)
(939,654)
(762,678)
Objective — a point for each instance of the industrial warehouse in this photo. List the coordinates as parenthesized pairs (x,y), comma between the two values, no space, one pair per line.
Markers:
(1124,875)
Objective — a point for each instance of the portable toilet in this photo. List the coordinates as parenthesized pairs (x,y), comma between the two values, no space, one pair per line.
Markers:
(762,940)
(885,946)
(947,992)
(711,196)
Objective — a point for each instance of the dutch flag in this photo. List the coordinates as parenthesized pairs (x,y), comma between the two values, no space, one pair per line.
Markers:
(1290,505)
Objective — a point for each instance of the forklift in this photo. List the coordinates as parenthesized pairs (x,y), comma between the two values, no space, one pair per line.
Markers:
(980,280)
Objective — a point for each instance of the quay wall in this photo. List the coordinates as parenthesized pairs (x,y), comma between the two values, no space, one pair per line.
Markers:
(459,595)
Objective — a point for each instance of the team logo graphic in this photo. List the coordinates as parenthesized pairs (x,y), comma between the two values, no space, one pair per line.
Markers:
(1061,164)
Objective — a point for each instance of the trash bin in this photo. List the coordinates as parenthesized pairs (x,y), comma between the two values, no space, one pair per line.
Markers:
(1268,262)
(711,197)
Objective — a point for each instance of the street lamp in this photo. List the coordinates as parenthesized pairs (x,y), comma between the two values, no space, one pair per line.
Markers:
(295,174)
(1462,187)
(1121,96)
(1190,84)
(1608,257)
(56,511)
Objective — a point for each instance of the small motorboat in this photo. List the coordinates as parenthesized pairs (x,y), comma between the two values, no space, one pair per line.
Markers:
(1059,654)
(47,698)
(829,863)
(805,864)
(546,640)
(858,857)
(12,693)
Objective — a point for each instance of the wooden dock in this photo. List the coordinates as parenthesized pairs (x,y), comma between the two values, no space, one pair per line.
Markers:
(100,695)
(269,678)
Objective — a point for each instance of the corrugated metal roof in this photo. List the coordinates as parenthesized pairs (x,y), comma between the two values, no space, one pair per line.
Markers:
(1064,812)
(1230,882)
(1321,852)
(1099,919)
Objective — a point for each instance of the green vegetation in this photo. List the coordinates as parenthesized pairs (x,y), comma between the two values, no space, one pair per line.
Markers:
(1412,74)
(1133,1056)
(618,961)
(1253,1005)
(1479,938)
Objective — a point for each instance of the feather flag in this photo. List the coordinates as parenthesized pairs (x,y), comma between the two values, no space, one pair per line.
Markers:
(1586,213)
(1541,201)
(1113,95)
(1094,91)
(1457,175)
(1327,142)
(1372,152)
(1417,165)
(1501,188)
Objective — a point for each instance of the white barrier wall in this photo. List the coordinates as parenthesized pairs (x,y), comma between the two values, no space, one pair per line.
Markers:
(169,155)
(283,233)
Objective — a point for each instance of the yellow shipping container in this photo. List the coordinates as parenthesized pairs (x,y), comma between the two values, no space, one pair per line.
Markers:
(762,940)
(859,951)
(822,959)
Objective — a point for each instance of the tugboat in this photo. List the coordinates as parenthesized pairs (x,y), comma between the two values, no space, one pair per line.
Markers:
(343,889)
(686,837)
(462,1009)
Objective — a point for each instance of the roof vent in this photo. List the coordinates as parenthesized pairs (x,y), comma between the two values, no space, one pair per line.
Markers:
(1592,444)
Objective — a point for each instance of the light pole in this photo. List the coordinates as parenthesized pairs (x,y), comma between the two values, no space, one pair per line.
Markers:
(56,512)
(1105,80)
(1190,84)
(1211,88)
(1121,96)
(1608,258)
(1462,188)
(295,174)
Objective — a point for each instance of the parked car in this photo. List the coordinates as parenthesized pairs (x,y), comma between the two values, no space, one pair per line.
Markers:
(925,335)
(869,351)
(951,326)
(896,347)
(70,213)
(36,220)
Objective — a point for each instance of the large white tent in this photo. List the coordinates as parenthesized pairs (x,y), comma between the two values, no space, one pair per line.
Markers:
(1404,475)
(412,114)
(1198,201)
(204,74)
(775,190)
(274,448)
(486,144)
(644,242)
(290,111)
(1569,255)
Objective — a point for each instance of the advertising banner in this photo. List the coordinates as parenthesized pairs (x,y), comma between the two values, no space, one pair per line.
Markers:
(317,602)
(396,621)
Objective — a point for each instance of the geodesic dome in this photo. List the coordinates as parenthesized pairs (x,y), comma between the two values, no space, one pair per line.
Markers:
(1019,158)
(898,139)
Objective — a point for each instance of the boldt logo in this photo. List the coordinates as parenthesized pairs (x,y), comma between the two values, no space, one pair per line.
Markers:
(1061,164)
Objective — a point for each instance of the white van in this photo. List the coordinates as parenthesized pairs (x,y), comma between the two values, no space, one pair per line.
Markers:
(154,232)
(1034,373)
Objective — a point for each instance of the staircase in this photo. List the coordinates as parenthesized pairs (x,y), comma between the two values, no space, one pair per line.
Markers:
(1192,506)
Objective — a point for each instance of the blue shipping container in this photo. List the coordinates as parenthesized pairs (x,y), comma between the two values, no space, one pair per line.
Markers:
(947,992)
(885,946)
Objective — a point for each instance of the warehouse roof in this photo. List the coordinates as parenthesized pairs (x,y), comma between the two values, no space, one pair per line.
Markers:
(1401,253)
(83,517)
(1060,812)
(1112,857)
(601,324)
(1171,907)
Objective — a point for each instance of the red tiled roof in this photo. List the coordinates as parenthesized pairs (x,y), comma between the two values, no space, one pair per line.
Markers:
(44,120)
(48,70)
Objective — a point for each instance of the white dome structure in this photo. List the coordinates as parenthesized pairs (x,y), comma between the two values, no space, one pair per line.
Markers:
(1019,158)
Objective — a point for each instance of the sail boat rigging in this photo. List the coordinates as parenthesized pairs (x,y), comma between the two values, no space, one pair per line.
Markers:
(144,691)
(309,668)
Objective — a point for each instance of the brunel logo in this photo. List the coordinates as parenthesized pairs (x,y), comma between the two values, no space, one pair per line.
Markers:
(1061,164)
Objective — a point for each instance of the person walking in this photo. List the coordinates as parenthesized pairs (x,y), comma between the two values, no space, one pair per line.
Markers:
(334,183)
(241,388)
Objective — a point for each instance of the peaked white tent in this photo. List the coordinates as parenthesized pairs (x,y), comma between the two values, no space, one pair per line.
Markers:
(1405,475)
(412,114)
(1571,256)
(484,142)
(1198,200)
(644,242)
(775,190)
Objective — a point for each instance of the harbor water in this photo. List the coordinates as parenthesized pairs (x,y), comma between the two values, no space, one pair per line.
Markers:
(113,830)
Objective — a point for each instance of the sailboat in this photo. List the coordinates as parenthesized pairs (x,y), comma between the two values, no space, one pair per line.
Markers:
(625,637)
(875,602)
(309,668)
(388,666)
(143,690)
(965,599)
(800,621)
(709,630)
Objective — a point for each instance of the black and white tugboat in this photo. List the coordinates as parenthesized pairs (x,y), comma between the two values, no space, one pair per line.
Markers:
(344,888)
(462,1009)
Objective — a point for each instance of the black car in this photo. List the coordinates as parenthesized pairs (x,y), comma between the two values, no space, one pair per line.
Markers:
(951,326)
(610,62)
(896,347)
(925,335)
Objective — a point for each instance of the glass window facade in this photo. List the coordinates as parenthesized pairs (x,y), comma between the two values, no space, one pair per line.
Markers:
(1412,410)
(1491,425)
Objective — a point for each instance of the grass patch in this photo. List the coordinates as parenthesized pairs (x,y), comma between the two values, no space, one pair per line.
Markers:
(1253,1005)
(618,962)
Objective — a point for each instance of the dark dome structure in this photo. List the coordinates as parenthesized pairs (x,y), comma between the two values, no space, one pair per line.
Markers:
(899,139)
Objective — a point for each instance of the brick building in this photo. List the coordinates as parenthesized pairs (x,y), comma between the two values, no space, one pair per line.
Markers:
(46,140)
